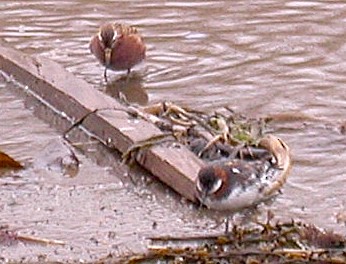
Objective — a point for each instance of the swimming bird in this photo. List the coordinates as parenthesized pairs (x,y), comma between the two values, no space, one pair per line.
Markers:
(238,183)
(118,47)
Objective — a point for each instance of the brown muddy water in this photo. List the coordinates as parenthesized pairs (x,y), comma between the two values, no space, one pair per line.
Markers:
(261,58)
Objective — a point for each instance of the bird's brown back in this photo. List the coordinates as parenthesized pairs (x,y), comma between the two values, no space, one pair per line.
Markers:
(124,29)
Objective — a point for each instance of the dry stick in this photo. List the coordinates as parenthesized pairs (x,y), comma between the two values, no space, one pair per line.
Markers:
(146,143)
(25,238)
(168,109)
(203,124)
(211,143)
(219,240)
(150,118)
(172,108)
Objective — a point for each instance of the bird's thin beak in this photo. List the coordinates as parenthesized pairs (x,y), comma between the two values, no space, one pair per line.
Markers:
(108,55)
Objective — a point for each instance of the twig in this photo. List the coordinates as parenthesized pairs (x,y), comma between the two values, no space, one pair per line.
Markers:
(25,238)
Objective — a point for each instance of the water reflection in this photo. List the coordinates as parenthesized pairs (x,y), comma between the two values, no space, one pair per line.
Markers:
(129,88)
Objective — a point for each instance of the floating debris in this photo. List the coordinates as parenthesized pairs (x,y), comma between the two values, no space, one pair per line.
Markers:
(222,134)
(9,237)
(289,242)
(7,162)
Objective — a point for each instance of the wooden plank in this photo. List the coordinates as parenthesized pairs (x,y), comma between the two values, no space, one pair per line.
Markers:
(173,164)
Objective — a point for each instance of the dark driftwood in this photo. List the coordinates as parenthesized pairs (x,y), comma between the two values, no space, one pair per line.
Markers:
(176,166)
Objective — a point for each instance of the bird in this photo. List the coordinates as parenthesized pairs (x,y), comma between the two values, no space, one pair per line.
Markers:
(118,47)
(231,185)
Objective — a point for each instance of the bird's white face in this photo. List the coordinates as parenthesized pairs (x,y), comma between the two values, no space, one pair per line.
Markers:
(107,36)
(99,36)
(215,186)
(206,190)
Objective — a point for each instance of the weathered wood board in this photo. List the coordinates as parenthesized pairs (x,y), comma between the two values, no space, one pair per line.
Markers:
(175,166)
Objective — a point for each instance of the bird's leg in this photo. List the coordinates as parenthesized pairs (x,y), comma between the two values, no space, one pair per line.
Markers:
(227,225)
(128,75)
(105,74)
(227,220)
